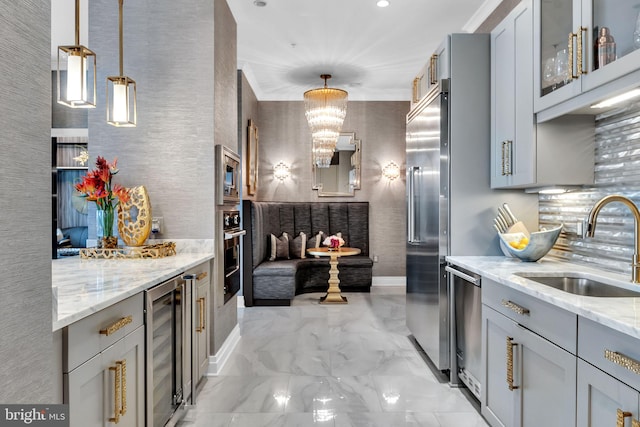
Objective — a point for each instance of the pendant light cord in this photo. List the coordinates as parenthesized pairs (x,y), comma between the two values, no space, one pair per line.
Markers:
(120,3)
(77,22)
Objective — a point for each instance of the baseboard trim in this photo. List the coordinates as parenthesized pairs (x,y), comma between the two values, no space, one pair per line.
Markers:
(217,361)
(389,281)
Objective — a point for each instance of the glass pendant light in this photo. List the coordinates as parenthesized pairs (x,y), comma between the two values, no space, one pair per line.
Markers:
(79,63)
(121,90)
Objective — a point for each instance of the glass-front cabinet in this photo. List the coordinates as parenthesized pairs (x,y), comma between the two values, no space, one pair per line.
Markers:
(582,44)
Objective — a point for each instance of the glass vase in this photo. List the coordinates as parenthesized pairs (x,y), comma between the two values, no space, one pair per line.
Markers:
(104,228)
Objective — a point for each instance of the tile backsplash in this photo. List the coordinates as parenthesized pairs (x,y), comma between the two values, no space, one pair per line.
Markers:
(617,171)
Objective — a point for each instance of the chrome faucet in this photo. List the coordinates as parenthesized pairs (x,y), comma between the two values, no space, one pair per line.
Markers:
(591,228)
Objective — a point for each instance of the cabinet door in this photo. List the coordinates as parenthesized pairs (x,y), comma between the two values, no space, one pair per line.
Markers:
(93,393)
(600,397)
(513,136)
(547,381)
(202,336)
(498,405)
(554,21)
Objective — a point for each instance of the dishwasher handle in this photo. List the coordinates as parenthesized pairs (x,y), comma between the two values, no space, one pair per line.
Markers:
(464,276)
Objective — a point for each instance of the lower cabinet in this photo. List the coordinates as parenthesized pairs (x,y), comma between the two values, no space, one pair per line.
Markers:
(109,388)
(604,401)
(201,346)
(529,380)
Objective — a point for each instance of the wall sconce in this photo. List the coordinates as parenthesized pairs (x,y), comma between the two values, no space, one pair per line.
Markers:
(80,64)
(391,171)
(121,91)
(281,171)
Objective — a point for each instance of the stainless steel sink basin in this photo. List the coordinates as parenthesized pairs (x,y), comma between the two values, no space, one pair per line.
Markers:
(580,285)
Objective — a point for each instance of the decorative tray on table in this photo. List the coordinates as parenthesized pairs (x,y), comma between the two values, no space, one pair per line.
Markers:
(159,250)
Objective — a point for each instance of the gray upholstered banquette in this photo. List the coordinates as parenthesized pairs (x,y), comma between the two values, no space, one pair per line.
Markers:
(277,282)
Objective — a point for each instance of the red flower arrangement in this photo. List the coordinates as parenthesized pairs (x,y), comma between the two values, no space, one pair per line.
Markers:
(96,187)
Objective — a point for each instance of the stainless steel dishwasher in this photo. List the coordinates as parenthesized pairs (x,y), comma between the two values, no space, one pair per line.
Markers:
(466,327)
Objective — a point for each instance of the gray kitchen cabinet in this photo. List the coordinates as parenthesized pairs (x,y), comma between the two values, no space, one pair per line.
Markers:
(523,154)
(109,388)
(436,69)
(529,380)
(567,61)
(203,302)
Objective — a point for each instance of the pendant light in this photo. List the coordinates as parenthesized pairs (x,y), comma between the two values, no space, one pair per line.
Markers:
(325,109)
(80,65)
(121,90)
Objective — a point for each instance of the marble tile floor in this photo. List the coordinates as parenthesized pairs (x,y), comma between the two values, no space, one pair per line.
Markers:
(330,366)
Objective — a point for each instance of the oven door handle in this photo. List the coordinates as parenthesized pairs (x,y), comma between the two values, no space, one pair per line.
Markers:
(228,236)
(462,275)
(233,271)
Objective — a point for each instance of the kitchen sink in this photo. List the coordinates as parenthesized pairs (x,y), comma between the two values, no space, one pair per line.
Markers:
(578,284)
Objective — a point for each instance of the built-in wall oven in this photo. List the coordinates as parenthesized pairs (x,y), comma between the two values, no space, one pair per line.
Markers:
(165,320)
(232,254)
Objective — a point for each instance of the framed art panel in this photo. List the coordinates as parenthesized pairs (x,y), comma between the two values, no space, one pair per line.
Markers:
(252,158)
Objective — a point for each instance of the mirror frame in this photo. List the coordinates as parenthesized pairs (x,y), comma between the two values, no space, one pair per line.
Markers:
(357,155)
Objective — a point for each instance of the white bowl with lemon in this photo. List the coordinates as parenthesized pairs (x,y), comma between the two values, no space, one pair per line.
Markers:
(531,247)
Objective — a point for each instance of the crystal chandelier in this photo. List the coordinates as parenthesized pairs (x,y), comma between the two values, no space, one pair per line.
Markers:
(325,109)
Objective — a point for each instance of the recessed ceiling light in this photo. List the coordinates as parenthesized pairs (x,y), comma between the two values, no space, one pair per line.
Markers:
(260,3)
(383,3)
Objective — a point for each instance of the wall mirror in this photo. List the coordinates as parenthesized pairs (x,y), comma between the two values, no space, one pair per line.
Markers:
(342,177)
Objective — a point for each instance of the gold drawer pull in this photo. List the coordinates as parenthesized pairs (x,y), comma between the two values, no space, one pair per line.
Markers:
(123,373)
(201,306)
(621,415)
(116,326)
(510,345)
(201,275)
(622,360)
(515,307)
(116,393)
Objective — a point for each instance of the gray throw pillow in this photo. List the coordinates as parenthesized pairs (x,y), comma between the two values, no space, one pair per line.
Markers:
(279,247)
(298,246)
(316,241)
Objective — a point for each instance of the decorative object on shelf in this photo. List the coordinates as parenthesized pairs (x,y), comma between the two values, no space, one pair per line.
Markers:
(606,47)
(80,65)
(334,242)
(281,171)
(83,157)
(325,110)
(391,171)
(158,250)
(121,90)
(96,187)
(530,248)
(134,217)
(252,158)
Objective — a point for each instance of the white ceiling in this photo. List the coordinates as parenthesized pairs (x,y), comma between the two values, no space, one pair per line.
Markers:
(373,53)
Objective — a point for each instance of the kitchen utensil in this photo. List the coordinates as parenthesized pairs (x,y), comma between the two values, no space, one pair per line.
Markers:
(510,213)
(496,228)
(505,217)
(499,226)
(502,223)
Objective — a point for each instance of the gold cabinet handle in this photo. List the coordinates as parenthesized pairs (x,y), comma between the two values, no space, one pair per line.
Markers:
(570,74)
(581,51)
(201,275)
(123,380)
(620,416)
(510,345)
(622,360)
(502,158)
(635,423)
(201,306)
(116,393)
(515,307)
(116,326)
(433,72)
(416,81)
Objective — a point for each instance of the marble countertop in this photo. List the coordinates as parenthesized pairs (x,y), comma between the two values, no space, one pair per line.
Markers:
(84,286)
(621,314)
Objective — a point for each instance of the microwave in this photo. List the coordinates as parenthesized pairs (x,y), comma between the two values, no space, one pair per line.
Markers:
(227,176)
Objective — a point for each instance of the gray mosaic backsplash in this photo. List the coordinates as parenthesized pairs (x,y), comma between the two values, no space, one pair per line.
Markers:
(617,171)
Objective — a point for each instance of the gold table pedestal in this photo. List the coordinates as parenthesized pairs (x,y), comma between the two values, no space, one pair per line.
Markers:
(333,293)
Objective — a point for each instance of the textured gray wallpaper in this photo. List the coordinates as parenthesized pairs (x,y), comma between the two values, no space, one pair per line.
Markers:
(169,52)
(248,110)
(285,136)
(26,350)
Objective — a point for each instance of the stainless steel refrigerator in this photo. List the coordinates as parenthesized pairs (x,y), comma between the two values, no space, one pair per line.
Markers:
(450,205)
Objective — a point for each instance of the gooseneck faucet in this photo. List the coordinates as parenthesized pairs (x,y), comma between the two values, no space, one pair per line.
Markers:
(591,228)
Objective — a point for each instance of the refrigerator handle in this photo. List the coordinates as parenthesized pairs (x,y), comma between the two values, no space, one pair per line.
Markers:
(411,226)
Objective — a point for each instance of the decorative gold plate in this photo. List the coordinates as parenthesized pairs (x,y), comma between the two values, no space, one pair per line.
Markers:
(159,250)
(135,233)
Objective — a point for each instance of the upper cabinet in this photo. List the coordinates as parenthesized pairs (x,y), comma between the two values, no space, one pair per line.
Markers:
(525,154)
(580,45)
(436,69)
